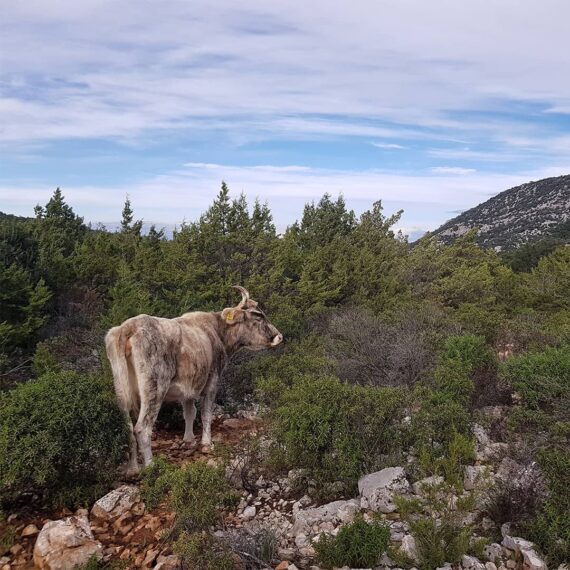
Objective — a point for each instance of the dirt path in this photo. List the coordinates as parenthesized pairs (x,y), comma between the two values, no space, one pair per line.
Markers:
(134,538)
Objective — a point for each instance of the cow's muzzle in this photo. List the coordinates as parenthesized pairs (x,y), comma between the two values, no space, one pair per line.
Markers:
(277,339)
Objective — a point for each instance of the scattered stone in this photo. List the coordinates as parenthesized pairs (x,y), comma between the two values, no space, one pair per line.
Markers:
(282,565)
(65,544)
(471,563)
(248,513)
(377,490)
(30,530)
(116,503)
(490,566)
(409,548)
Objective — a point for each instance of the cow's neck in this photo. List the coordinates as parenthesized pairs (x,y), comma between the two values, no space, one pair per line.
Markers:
(228,336)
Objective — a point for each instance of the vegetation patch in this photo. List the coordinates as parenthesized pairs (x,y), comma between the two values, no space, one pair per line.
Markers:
(61,435)
(359,544)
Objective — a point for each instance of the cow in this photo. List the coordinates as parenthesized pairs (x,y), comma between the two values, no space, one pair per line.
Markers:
(156,359)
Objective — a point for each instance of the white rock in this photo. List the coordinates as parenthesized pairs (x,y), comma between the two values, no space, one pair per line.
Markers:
(335,512)
(65,544)
(532,561)
(171,562)
(493,551)
(116,503)
(409,548)
(471,563)
(432,481)
(473,476)
(248,513)
(517,544)
(490,566)
(377,490)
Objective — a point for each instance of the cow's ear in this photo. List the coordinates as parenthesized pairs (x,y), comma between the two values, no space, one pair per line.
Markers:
(232,316)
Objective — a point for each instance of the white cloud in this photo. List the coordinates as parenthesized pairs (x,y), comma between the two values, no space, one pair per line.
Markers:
(99,68)
(389,146)
(452,170)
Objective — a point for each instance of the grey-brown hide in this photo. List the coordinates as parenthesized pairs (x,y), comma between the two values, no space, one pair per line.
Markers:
(155,360)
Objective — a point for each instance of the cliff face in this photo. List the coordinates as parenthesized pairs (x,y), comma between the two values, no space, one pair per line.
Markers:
(522,214)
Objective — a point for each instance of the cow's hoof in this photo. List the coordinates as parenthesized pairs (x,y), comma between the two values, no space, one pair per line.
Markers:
(207,448)
(190,445)
(130,472)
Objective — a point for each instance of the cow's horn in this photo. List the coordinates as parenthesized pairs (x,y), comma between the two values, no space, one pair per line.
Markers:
(244,295)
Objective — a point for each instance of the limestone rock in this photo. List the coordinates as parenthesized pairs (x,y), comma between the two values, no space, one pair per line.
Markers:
(116,503)
(248,513)
(409,548)
(377,490)
(335,512)
(423,484)
(473,476)
(65,544)
(517,544)
(30,530)
(531,560)
(493,552)
(471,563)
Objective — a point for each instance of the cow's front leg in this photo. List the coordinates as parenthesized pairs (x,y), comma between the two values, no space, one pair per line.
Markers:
(207,403)
(189,408)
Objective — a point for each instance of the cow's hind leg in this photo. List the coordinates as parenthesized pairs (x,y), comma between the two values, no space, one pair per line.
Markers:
(133,463)
(189,407)
(154,380)
(206,404)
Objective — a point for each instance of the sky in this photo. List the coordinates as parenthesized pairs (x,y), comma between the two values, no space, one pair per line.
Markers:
(431,107)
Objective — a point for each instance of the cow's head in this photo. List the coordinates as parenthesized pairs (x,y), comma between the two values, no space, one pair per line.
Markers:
(248,327)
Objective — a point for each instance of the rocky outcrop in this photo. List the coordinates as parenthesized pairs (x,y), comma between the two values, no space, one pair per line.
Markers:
(377,490)
(65,544)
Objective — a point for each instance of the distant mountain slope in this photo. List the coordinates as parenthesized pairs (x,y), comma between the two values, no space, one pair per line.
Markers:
(525,213)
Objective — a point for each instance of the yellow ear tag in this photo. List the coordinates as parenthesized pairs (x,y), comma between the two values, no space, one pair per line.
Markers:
(230,317)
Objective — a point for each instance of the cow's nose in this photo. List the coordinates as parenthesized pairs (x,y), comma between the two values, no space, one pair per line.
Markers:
(277,339)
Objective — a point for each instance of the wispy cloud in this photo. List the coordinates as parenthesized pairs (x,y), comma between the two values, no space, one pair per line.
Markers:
(388,146)
(452,170)
(309,90)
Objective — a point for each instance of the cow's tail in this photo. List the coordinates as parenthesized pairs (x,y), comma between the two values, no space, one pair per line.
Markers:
(115,342)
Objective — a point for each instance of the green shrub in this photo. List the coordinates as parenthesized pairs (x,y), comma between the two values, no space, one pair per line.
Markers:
(338,431)
(358,545)
(195,491)
(470,350)
(436,525)
(551,527)
(61,435)
(201,551)
(541,378)
(7,538)
(44,361)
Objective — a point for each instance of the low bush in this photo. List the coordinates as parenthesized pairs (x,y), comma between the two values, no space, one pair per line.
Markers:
(550,529)
(336,430)
(195,491)
(202,551)
(436,523)
(61,436)
(359,544)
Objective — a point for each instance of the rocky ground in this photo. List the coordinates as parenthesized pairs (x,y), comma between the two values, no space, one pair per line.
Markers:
(119,528)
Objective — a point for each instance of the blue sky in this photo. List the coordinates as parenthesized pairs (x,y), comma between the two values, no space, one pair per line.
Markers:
(429,106)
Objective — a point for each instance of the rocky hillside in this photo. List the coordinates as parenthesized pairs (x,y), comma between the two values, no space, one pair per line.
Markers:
(522,214)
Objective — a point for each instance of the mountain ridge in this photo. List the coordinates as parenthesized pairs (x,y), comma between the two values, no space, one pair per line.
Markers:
(529,212)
